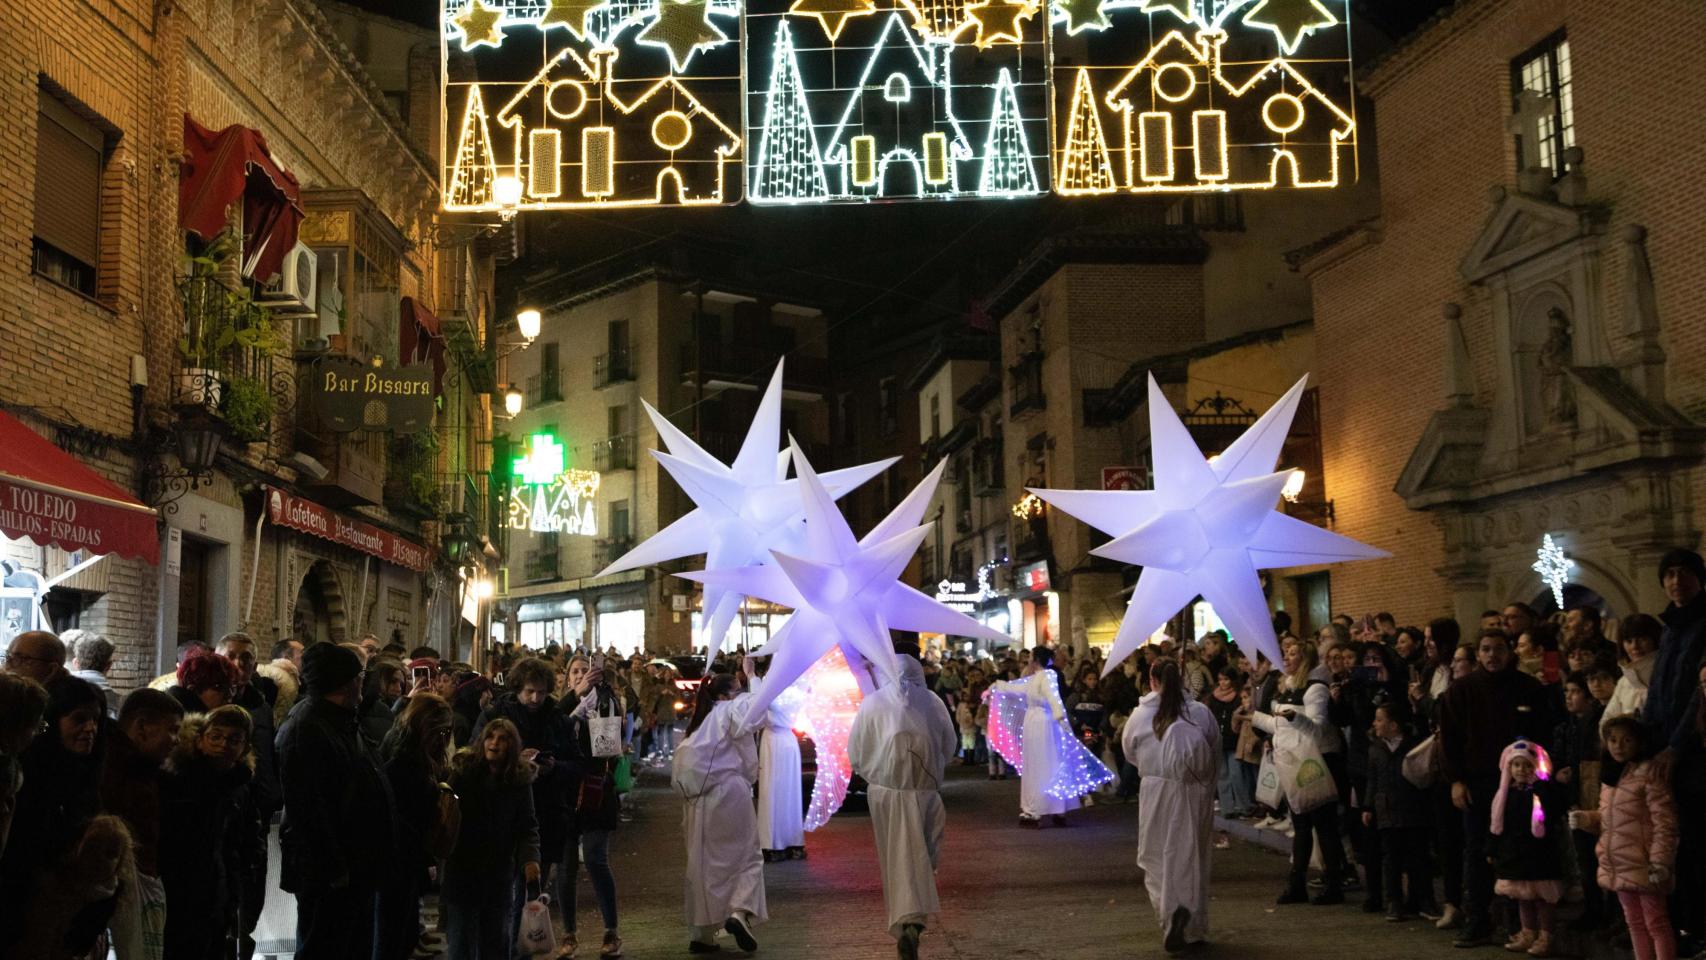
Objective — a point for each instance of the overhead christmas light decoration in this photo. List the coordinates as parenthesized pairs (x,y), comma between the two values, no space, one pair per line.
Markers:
(1553,567)
(614,103)
(566,505)
(592,103)
(1206,528)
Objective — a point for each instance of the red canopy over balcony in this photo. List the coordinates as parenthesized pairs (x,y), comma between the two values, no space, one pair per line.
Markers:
(218,167)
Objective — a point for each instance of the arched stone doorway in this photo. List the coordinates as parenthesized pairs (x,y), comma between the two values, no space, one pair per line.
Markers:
(318,612)
(1575,595)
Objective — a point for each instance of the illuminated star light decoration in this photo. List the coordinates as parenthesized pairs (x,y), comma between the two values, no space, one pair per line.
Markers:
(832,698)
(842,590)
(1554,568)
(1077,771)
(480,25)
(681,28)
(741,510)
(1206,528)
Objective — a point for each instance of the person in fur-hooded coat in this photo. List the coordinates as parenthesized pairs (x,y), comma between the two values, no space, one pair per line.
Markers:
(203,838)
(70,908)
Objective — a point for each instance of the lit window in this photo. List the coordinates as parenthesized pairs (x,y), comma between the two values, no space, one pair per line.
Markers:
(1545,70)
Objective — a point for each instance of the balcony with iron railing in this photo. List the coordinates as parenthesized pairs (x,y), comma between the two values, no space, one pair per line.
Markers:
(616,453)
(1027,377)
(988,477)
(540,566)
(713,362)
(544,387)
(617,366)
(611,549)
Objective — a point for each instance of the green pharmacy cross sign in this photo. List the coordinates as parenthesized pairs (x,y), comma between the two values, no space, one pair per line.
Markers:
(544,463)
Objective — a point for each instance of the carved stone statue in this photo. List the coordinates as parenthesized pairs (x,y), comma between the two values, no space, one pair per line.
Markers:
(1556,356)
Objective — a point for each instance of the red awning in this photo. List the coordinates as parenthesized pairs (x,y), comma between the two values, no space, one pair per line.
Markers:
(48,496)
(288,510)
(421,338)
(218,167)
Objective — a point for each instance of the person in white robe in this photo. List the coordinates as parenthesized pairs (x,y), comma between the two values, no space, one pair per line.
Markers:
(781,804)
(713,770)
(1179,770)
(901,742)
(1045,714)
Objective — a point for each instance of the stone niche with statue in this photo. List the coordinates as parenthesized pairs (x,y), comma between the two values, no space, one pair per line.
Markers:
(1573,436)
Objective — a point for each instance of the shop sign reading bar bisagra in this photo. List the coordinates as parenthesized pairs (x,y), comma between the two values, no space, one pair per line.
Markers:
(563,104)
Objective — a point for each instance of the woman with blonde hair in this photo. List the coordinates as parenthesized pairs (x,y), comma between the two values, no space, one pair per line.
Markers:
(1302,701)
(499,837)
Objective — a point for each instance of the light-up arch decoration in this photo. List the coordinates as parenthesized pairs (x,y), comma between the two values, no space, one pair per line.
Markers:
(1223,95)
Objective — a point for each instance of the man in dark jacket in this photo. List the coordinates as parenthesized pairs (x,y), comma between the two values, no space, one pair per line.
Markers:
(1479,716)
(1396,811)
(263,796)
(148,722)
(1676,666)
(337,836)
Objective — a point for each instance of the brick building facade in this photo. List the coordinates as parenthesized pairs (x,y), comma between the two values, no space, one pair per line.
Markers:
(80,335)
(1512,348)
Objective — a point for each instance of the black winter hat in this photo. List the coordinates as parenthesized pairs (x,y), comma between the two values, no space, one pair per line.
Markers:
(327,667)
(1686,559)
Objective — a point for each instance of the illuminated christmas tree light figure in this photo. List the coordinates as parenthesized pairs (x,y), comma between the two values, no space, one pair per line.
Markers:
(789,164)
(1084,165)
(1006,156)
(474,171)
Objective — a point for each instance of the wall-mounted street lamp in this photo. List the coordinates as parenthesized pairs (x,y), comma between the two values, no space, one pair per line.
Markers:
(527,322)
(512,400)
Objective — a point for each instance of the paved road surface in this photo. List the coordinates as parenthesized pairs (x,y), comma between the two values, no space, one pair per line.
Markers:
(1052,894)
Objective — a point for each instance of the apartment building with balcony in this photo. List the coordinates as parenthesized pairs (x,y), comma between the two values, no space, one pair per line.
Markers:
(658,325)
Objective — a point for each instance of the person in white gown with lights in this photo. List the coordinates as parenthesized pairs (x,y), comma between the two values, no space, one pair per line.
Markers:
(1045,716)
(713,770)
(1175,744)
(901,742)
(781,803)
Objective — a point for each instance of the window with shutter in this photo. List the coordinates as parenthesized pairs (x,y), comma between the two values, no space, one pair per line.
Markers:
(70,155)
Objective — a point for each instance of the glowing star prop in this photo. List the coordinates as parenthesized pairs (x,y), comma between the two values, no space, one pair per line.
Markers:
(1553,567)
(1290,20)
(831,14)
(1206,528)
(742,510)
(480,25)
(998,20)
(1077,771)
(832,699)
(569,13)
(845,591)
(682,29)
(1082,15)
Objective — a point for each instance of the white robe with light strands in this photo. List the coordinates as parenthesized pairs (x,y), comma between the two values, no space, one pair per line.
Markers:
(1044,714)
(781,804)
(1175,808)
(901,742)
(713,771)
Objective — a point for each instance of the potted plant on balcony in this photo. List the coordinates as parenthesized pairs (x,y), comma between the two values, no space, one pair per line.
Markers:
(209,303)
(411,480)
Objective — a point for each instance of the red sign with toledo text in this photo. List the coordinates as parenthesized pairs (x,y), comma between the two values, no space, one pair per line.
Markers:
(309,517)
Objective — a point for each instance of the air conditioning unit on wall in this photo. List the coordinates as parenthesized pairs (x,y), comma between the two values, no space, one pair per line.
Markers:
(294,295)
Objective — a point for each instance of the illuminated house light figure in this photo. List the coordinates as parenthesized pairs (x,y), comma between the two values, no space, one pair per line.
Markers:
(898,135)
(1175,103)
(577,143)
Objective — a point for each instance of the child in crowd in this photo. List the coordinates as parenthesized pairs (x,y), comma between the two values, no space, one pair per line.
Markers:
(1575,752)
(1398,810)
(1602,679)
(1636,823)
(1526,858)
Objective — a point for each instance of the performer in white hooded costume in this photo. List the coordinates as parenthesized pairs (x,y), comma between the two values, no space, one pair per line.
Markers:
(781,804)
(1176,804)
(714,770)
(901,743)
(1044,713)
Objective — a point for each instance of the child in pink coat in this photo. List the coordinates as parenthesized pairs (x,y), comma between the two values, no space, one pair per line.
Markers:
(1636,823)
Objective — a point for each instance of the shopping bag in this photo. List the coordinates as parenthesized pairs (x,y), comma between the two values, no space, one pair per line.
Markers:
(1268,792)
(605,736)
(624,775)
(1303,773)
(1421,764)
(138,924)
(535,937)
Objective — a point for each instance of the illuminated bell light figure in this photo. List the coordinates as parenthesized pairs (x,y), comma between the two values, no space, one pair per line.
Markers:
(1206,528)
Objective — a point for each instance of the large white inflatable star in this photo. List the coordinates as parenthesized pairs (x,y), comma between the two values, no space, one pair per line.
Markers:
(845,590)
(741,511)
(1206,528)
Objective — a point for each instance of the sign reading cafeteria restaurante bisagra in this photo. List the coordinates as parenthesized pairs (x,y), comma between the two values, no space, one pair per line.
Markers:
(561,104)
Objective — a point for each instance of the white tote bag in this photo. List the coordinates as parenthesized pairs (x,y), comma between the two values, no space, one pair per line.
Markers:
(1268,792)
(1304,776)
(604,729)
